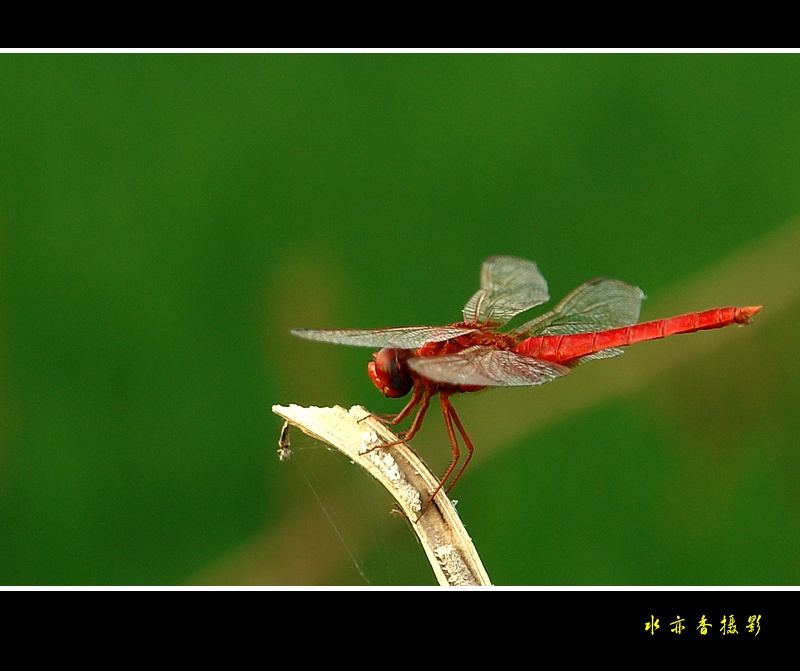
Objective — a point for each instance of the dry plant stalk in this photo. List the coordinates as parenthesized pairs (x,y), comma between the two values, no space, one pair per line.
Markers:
(355,432)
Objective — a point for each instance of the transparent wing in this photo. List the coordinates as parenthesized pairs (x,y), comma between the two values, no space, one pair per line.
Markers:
(594,306)
(401,337)
(509,285)
(597,305)
(487,367)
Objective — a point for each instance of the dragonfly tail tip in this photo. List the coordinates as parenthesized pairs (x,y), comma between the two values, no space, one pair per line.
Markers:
(744,315)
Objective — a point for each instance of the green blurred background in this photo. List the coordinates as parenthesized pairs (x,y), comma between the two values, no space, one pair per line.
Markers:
(166,218)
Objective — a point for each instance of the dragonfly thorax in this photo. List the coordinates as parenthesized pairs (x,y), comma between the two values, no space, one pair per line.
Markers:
(389,372)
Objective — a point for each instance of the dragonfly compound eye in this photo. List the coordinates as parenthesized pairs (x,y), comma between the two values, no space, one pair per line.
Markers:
(389,372)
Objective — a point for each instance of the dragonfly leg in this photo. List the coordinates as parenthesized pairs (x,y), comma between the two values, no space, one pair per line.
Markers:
(423,399)
(449,414)
(467,441)
(416,397)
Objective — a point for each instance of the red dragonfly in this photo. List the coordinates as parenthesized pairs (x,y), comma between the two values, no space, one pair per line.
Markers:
(592,322)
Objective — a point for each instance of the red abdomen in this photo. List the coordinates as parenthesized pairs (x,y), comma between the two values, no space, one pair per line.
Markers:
(564,348)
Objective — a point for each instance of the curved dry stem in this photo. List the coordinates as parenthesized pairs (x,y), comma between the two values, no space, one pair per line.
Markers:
(358,435)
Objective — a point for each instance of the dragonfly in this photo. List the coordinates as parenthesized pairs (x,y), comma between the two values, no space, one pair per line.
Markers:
(592,322)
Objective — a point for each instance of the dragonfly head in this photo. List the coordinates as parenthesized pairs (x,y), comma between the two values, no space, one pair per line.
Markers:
(389,372)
